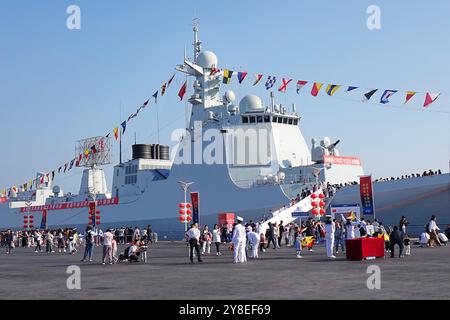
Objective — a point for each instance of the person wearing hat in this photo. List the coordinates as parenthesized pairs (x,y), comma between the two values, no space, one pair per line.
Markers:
(330,228)
(239,241)
(253,238)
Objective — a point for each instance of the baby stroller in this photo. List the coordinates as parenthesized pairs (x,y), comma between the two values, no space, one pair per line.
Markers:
(443,238)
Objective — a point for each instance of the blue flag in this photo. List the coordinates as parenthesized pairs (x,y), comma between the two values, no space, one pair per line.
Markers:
(124,127)
(155,95)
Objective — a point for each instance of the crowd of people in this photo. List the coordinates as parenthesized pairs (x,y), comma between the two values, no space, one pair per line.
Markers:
(248,240)
(68,241)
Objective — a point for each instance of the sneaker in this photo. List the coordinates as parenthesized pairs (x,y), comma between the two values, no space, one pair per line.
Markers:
(299,257)
(103,263)
(333,257)
(200,260)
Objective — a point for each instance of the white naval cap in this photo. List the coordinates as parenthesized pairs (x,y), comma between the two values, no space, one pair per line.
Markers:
(240,219)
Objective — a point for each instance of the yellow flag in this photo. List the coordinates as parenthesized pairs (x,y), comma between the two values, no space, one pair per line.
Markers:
(331,89)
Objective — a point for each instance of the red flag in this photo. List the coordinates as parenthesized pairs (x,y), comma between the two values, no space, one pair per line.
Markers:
(182,91)
(282,88)
(316,88)
(116,133)
(409,95)
(430,98)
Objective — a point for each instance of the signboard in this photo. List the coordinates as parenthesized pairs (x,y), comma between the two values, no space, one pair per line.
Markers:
(44,220)
(346,210)
(69,205)
(300,214)
(195,207)
(346,161)
(3,199)
(366,193)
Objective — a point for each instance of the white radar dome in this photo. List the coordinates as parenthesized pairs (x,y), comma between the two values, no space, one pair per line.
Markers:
(230,96)
(250,103)
(207,59)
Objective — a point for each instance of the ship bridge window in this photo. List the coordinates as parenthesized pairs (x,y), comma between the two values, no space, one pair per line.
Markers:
(259,119)
(280,120)
(295,122)
(285,120)
(290,121)
(275,119)
(244,119)
(252,119)
(266,118)
(131,179)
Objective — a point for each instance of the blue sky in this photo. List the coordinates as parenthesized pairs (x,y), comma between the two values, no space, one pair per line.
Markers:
(58,86)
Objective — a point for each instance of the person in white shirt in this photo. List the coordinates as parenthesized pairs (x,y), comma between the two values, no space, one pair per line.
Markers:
(216,238)
(350,227)
(253,238)
(239,240)
(136,235)
(330,229)
(433,231)
(193,236)
(108,238)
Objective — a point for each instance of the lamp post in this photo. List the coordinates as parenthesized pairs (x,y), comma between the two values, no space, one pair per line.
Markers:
(185,186)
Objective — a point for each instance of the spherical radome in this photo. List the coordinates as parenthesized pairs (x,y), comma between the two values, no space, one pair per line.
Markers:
(207,59)
(230,96)
(250,103)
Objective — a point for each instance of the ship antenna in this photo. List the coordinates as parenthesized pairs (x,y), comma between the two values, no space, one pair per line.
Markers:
(197,43)
(272,101)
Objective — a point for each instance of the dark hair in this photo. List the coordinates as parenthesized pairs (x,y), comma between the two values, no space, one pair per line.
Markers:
(395,228)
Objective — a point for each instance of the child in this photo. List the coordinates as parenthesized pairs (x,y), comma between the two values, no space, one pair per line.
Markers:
(143,252)
(407,243)
(298,238)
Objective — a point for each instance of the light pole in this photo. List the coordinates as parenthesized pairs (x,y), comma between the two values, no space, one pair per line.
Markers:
(185,186)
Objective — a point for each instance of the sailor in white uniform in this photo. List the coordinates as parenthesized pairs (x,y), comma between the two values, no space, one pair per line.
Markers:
(350,227)
(253,238)
(330,229)
(239,241)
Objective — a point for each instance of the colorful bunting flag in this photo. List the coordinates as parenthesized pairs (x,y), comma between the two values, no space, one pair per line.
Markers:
(386,95)
(124,127)
(170,80)
(227,74)
(163,89)
(94,149)
(258,78)
(409,95)
(241,76)
(214,70)
(350,88)
(430,98)
(369,95)
(65,169)
(300,85)
(331,89)
(155,95)
(182,91)
(270,82)
(316,88)
(71,164)
(116,133)
(146,103)
(285,82)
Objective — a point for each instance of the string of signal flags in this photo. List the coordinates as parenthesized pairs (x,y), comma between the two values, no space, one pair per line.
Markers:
(270,82)
(282,83)
(33,184)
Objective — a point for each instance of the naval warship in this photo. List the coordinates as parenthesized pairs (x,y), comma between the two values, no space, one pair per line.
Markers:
(243,157)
